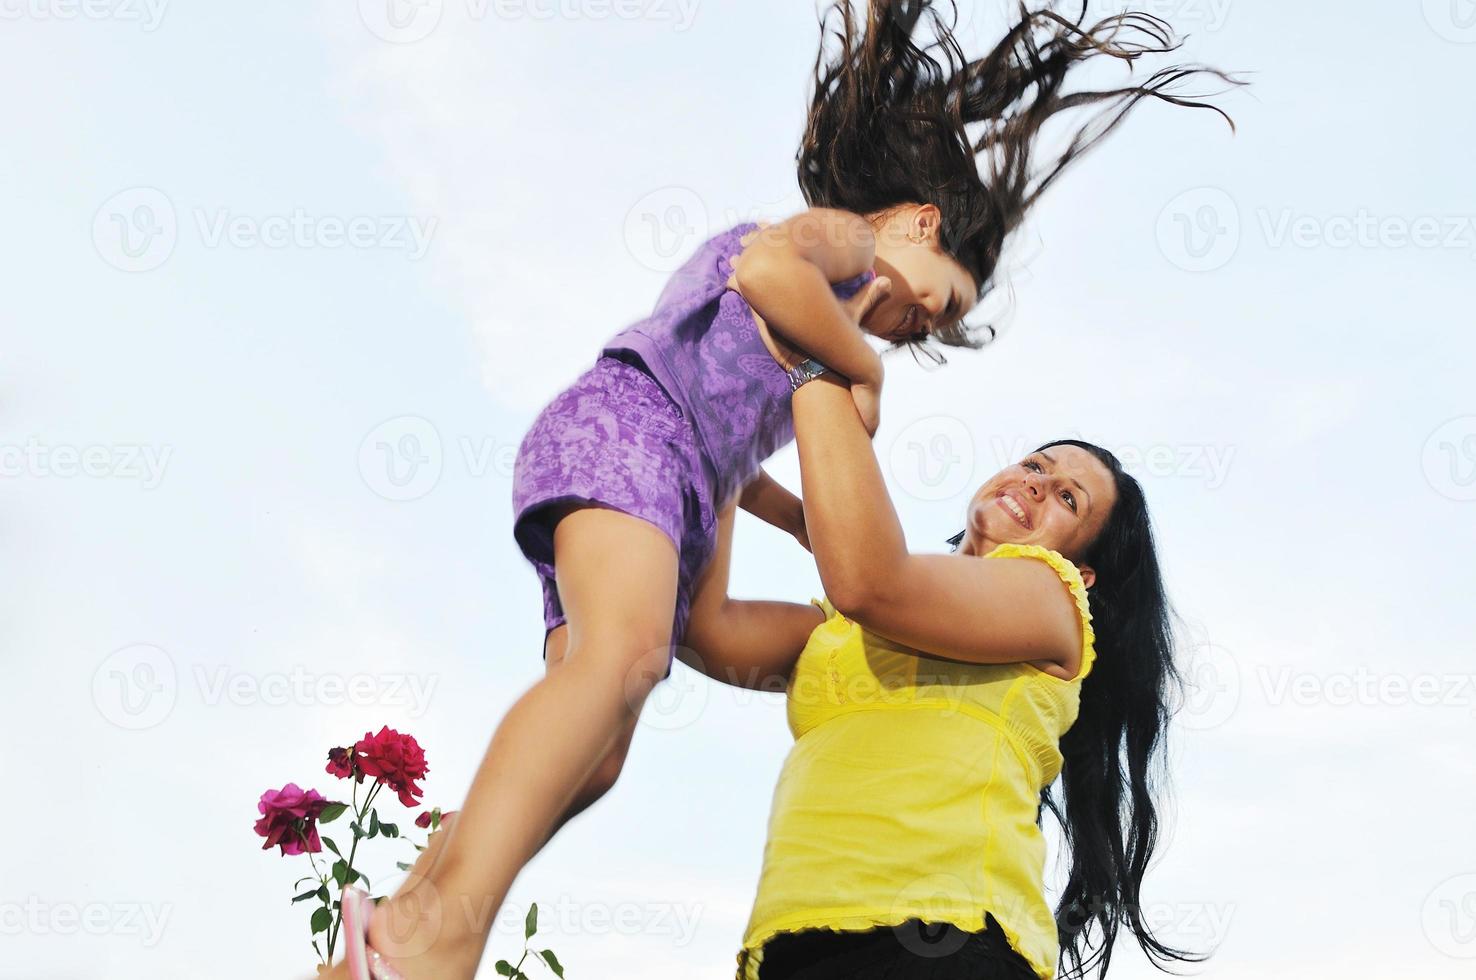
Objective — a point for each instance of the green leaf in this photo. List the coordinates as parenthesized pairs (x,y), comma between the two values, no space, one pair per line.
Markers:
(340,872)
(404,865)
(505,968)
(531,926)
(332,812)
(310,893)
(389,830)
(323,894)
(358,831)
(553,963)
(322,919)
(373,822)
(358,877)
(328,843)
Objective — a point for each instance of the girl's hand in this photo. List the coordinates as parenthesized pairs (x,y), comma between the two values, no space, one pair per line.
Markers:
(802,533)
(866,299)
(868,405)
(866,392)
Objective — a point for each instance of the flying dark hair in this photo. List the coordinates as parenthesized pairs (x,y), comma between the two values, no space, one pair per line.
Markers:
(1114,753)
(887,119)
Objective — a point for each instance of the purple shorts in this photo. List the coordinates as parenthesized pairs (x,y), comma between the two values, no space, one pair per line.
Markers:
(615,438)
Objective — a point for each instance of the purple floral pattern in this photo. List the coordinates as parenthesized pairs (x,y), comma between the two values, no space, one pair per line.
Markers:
(668,425)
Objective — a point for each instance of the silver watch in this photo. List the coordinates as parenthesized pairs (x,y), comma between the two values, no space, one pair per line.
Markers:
(807,370)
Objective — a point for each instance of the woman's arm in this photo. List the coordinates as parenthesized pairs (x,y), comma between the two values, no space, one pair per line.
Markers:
(954,606)
(745,643)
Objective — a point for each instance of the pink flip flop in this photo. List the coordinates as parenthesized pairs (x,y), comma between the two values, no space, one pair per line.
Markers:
(364,962)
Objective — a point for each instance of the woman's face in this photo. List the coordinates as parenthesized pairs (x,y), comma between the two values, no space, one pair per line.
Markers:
(930,290)
(1059,497)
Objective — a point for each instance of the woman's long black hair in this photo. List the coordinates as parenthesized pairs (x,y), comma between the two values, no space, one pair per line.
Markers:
(1113,754)
(887,120)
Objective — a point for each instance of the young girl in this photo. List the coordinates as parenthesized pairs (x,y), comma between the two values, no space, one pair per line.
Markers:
(619,481)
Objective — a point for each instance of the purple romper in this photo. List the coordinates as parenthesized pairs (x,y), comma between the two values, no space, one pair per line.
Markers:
(668,425)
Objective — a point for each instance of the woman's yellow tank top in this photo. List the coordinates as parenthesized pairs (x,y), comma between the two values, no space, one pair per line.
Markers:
(913,786)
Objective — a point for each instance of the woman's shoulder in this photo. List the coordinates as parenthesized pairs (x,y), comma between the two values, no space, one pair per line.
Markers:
(1069,575)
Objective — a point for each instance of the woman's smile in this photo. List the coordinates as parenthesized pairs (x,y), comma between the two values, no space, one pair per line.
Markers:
(1015,507)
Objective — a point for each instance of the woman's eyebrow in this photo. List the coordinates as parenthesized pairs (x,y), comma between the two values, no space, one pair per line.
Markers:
(1074,481)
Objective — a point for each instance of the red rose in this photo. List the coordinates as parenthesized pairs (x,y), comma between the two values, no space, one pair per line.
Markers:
(341,764)
(424,820)
(395,760)
(289,819)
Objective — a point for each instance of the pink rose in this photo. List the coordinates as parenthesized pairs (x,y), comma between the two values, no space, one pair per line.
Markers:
(394,759)
(289,819)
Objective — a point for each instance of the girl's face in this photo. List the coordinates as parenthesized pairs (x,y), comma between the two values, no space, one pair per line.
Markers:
(1059,498)
(930,289)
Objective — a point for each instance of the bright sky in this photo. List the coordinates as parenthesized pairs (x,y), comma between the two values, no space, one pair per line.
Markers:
(286,283)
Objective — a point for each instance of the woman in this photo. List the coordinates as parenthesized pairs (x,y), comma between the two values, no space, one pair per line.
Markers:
(904,839)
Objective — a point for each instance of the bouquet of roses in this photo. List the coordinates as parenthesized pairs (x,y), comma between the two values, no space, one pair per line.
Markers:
(290,818)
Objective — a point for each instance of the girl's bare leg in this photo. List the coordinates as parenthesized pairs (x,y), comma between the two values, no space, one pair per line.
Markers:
(617,579)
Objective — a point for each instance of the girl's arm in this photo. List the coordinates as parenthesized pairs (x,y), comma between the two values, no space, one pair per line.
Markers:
(771,502)
(785,274)
(745,643)
(958,607)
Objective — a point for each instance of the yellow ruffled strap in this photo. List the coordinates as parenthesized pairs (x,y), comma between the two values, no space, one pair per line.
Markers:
(1072,577)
